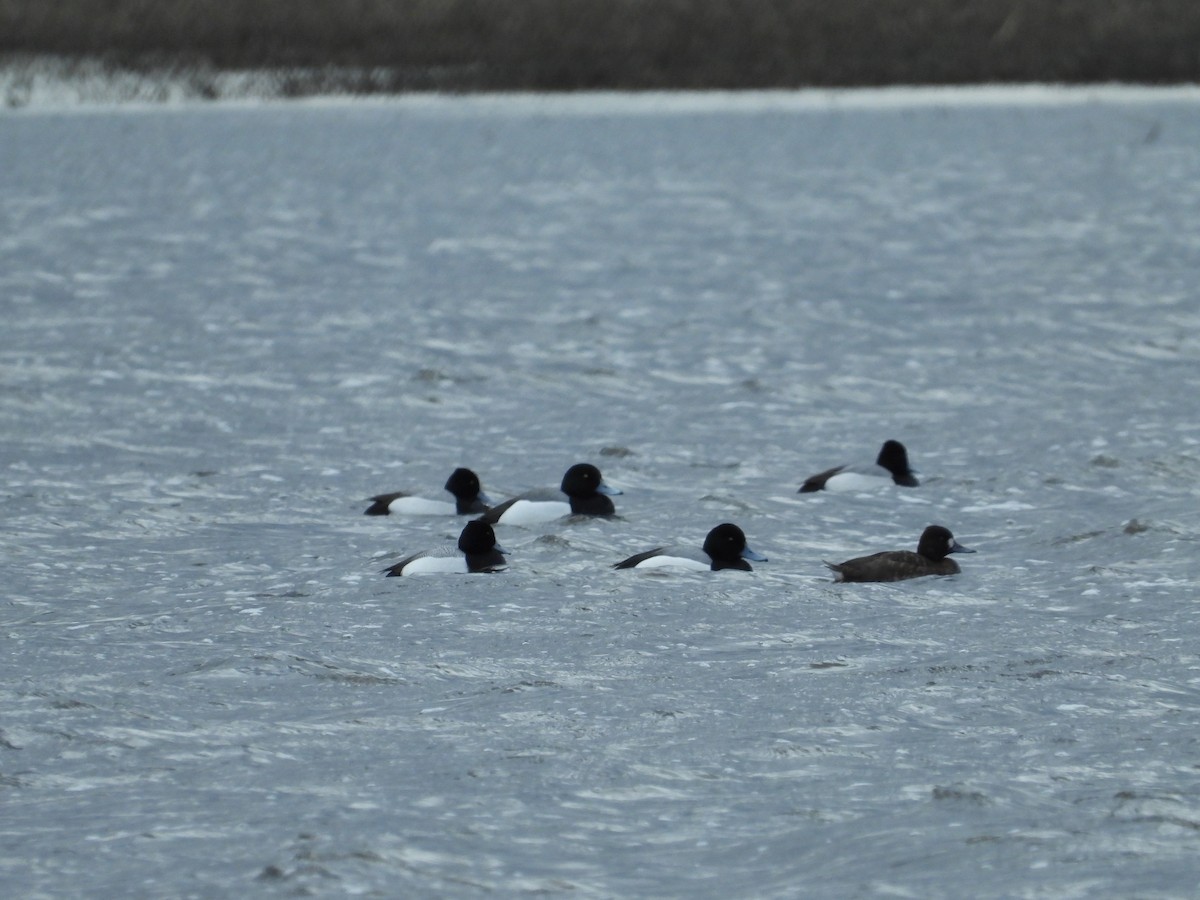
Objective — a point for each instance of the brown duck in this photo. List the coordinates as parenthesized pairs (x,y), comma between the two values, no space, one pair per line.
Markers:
(931,558)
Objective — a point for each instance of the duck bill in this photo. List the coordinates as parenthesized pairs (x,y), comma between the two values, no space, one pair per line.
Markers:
(603,488)
(752,556)
(956,547)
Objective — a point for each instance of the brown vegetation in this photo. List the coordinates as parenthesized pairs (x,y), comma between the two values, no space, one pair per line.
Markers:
(626,44)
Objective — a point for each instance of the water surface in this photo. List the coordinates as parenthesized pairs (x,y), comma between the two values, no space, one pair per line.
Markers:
(225,327)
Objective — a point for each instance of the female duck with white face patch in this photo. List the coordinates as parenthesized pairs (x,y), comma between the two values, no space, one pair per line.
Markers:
(936,544)
(476,551)
(582,493)
(724,548)
(890,467)
(463,485)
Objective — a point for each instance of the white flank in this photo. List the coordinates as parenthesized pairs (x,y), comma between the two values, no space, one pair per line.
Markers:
(679,562)
(857,481)
(530,512)
(436,565)
(420,506)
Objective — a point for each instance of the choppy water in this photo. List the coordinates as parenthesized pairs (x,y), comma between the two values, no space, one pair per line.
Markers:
(225,327)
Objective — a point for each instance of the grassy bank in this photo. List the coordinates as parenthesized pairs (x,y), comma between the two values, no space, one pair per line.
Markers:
(389,45)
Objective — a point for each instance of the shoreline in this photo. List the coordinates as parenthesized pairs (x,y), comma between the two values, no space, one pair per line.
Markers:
(380,46)
(53,85)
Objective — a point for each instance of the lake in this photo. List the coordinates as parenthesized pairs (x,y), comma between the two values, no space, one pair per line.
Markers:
(226,326)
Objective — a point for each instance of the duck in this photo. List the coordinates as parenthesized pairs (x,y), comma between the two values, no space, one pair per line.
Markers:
(463,484)
(476,551)
(725,547)
(582,493)
(931,558)
(891,465)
